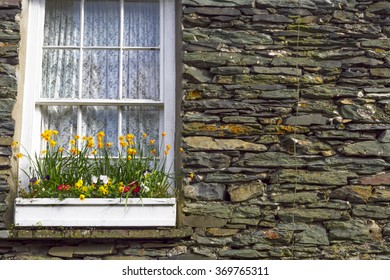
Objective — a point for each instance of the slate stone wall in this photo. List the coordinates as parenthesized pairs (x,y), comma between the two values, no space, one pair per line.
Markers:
(9,43)
(286,127)
(286,138)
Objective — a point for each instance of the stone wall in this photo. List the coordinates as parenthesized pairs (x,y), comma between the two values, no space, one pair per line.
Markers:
(286,138)
(283,170)
(9,43)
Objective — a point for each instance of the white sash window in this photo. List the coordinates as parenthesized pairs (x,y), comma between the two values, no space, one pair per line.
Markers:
(97,65)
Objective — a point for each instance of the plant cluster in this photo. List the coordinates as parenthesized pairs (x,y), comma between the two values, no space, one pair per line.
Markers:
(94,168)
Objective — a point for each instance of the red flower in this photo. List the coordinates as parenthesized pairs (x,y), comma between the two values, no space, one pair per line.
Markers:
(63,187)
(126,189)
(134,186)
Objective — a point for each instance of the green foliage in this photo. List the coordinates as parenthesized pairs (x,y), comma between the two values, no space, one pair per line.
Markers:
(86,170)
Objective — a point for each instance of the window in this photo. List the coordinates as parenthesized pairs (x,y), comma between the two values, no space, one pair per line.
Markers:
(99,65)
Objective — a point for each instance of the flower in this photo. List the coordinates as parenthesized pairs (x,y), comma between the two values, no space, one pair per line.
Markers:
(104,179)
(114,170)
(14,144)
(163,134)
(52,143)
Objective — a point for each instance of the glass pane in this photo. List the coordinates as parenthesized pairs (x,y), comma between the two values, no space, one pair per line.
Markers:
(141,119)
(62,23)
(60,73)
(141,75)
(100,74)
(101,22)
(99,118)
(60,118)
(142,23)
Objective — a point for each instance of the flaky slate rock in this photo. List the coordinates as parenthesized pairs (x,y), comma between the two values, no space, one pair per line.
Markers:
(245,191)
(367,148)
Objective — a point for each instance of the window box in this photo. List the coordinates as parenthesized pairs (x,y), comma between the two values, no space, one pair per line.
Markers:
(95,212)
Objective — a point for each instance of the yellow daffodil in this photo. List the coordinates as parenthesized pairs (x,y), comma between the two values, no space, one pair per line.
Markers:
(82,197)
(14,144)
(72,142)
(90,144)
(152,142)
(121,138)
(77,137)
(60,149)
(19,155)
(43,152)
(168,147)
(109,144)
(53,143)
(144,135)
(130,137)
(181,150)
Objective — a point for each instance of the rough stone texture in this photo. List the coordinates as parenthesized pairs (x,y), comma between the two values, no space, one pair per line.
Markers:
(322,155)
(9,43)
(282,170)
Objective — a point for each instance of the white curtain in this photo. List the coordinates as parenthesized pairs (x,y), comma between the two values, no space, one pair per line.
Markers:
(98,57)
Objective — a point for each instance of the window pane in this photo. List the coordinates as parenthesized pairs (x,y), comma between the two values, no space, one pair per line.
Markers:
(60,118)
(141,75)
(142,23)
(99,118)
(100,74)
(60,73)
(101,27)
(62,23)
(141,119)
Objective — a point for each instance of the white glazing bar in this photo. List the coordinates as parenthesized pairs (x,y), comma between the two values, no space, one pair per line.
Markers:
(121,32)
(134,48)
(79,108)
(97,102)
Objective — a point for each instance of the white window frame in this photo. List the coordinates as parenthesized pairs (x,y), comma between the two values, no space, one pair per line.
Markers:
(31,117)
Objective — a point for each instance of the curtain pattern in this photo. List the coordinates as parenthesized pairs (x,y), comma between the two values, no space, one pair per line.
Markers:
(98,55)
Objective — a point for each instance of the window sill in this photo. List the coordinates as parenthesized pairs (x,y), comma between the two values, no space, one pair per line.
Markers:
(95,212)
(94,233)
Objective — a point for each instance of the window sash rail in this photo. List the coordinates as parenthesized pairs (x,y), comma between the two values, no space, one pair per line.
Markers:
(102,102)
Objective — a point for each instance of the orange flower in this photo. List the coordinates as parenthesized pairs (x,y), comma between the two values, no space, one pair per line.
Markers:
(152,142)
(164,134)
(144,135)
(109,144)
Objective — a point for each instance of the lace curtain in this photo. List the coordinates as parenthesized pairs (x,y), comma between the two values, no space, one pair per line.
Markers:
(89,58)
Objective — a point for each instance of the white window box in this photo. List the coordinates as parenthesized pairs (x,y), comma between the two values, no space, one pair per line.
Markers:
(95,212)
